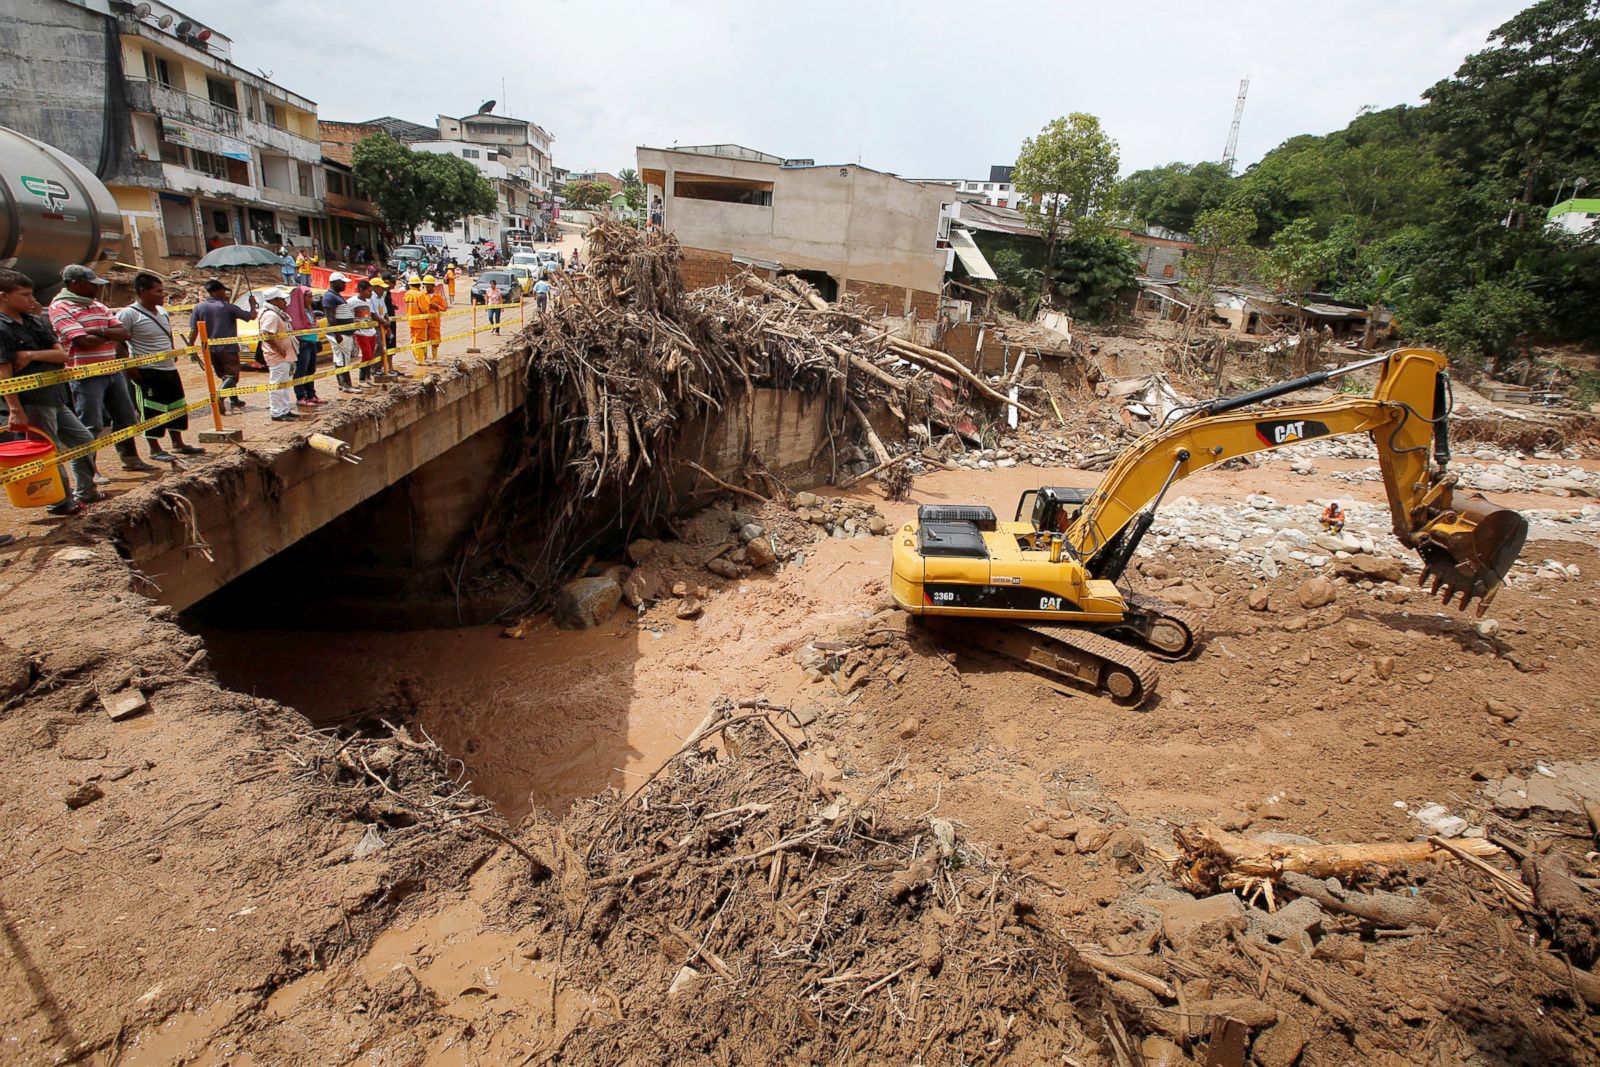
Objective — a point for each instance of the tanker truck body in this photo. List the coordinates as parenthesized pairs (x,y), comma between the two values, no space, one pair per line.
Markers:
(53,211)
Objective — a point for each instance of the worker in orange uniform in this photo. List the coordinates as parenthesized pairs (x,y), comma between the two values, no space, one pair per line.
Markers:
(418,308)
(1333,517)
(438,303)
(450,281)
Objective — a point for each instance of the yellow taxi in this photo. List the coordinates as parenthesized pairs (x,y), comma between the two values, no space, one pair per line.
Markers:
(524,275)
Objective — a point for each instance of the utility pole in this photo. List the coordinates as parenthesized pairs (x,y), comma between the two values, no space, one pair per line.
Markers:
(1231,152)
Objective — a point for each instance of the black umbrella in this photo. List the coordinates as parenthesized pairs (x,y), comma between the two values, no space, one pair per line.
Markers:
(237,258)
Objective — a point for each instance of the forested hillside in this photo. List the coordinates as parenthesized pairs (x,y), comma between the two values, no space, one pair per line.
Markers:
(1438,210)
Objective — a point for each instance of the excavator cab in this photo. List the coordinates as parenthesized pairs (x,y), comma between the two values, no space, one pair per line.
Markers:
(1052,508)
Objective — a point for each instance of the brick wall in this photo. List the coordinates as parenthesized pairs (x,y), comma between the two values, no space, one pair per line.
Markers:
(702,267)
(881,299)
(924,303)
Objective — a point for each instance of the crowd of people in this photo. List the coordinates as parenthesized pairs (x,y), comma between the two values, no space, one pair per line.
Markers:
(77,329)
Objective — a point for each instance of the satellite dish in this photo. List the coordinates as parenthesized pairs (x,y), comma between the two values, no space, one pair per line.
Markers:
(164,21)
(184,27)
(203,35)
(486,107)
(141,12)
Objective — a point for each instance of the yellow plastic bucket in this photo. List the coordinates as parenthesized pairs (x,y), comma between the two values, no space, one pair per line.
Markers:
(37,490)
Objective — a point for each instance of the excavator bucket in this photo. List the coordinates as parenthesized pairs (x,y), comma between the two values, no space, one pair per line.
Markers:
(1468,555)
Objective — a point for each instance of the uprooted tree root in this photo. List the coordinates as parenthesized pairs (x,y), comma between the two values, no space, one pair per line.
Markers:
(734,911)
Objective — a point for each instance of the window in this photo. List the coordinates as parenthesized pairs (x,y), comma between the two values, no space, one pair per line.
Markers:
(156,69)
(208,163)
(472,153)
(222,93)
(271,115)
(943,233)
(222,168)
(172,153)
(988,187)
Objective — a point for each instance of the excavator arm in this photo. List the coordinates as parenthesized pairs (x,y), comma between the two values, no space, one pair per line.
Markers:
(1467,544)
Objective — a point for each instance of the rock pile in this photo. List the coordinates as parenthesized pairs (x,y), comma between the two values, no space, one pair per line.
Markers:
(837,517)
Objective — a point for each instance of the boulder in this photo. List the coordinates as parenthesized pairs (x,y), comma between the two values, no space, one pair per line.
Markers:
(877,524)
(1300,916)
(690,608)
(641,587)
(750,531)
(759,552)
(1281,1044)
(1368,569)
(586,603)
(724,567)
(1189,596)
(1315,592)
(1261,600)
(806,500)
(641,550)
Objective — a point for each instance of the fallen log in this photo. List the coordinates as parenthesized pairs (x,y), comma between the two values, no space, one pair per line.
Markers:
(1384,909)
(940,361)
(751,493)
(1233,860)
(1116,969)
(879,452)
(854,478)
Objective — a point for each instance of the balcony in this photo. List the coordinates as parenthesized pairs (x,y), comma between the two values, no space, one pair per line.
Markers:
(171,103)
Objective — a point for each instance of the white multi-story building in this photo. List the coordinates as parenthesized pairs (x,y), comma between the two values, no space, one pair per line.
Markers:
(996,190)
(196,149)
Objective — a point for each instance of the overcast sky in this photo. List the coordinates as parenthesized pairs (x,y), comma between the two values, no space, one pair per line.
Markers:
(924,89)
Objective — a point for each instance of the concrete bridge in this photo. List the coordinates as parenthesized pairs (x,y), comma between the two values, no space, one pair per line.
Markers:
(430,453)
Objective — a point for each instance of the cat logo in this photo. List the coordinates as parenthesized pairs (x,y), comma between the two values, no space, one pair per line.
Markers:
(1287,431)
(1049,603)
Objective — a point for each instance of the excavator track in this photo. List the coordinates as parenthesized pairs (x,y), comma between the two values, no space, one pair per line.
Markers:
(1164,630)
(1070,655)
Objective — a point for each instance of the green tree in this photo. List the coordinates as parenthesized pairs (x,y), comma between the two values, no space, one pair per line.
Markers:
(632,189)
(1170,196)
(1296,260)
(583,193)
(1067,176)
(410,188)
(1522,111)
(1095,271)
(1483,324)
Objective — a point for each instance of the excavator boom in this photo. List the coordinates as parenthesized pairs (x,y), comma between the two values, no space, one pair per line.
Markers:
(1467,545)
(1042,591)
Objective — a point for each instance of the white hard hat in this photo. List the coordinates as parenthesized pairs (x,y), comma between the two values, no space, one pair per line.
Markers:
(337,277)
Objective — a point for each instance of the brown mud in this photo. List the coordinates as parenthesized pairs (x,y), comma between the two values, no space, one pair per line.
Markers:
(214,903)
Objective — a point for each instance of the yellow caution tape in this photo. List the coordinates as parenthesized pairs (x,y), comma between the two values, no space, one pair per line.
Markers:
(88,370)
(28,470)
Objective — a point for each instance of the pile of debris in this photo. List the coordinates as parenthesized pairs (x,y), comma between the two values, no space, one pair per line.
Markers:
(733,909)
(627,360)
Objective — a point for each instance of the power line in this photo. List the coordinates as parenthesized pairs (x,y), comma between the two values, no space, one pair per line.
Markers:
(1230,154)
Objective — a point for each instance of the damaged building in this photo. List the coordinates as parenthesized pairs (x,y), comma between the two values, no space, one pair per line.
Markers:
(849,230)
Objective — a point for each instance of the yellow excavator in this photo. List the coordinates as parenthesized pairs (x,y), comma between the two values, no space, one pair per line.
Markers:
(1042,589)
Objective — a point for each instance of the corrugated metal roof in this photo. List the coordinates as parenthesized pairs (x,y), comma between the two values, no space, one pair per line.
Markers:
(975,216)
(971,258)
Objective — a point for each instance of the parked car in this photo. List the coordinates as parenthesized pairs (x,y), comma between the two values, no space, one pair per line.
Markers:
(504,278)
(525,276)
(526,259)
(552,255)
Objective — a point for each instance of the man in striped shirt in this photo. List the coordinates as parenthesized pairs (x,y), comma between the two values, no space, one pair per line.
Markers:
(89,331)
